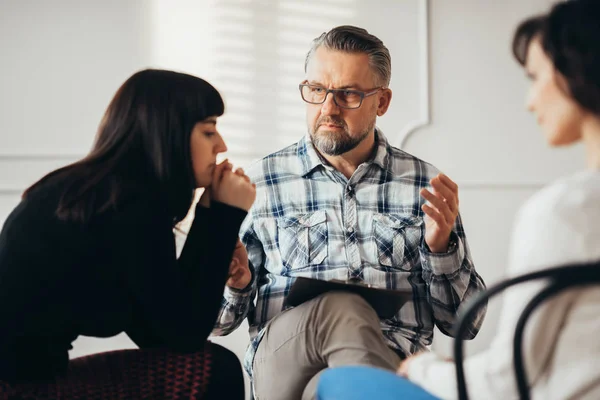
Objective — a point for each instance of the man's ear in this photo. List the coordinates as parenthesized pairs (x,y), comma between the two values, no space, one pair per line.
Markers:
(385,98)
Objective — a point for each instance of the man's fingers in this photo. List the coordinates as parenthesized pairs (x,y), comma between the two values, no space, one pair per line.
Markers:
(434,214)
(446,193)
(236,274)
(233,269)
(441,206)
(448,182)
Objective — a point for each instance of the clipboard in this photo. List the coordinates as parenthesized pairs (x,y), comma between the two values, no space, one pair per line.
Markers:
(385,302)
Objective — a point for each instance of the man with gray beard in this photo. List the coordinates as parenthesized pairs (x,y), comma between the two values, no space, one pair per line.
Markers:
(342,203)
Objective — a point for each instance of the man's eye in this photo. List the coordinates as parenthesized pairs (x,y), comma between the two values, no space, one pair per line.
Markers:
(209,134)
(317,89)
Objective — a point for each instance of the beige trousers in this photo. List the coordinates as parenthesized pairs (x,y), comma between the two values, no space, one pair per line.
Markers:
(332,330)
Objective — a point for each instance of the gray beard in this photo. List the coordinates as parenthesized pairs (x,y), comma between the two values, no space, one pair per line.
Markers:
(334,143)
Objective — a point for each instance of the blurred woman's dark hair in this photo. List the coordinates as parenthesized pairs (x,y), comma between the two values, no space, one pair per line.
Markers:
(570,37)
(142,145)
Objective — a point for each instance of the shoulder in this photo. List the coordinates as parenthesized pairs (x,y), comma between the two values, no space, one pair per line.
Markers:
(559,224)
(567,200)
(37,208)
(400,162)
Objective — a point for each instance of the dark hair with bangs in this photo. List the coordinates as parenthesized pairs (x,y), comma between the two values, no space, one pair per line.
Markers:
(570,37)
(142,144)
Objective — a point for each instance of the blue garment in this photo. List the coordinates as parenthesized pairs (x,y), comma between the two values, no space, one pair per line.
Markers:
(366,383)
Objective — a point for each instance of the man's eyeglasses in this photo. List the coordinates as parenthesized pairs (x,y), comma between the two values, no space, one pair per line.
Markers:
(343,98)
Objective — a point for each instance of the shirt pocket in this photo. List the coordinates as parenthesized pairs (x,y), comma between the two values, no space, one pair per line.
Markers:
(397,240)
(302,239)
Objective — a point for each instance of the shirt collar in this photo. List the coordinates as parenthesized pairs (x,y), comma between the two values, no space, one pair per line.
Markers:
(311,159)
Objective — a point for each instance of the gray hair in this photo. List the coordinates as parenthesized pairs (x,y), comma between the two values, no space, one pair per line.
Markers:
(351,39)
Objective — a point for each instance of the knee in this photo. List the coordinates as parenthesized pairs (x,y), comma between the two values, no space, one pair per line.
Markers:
(346,304)
(336,300)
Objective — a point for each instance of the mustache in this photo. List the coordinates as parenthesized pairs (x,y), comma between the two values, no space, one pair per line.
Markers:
(331,121)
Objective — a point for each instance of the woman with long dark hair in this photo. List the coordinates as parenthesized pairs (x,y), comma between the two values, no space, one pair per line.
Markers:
(90,251)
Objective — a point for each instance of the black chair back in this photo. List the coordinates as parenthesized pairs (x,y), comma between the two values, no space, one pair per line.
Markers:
(560,279)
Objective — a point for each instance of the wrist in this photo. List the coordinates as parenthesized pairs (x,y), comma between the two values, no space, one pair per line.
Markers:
(448,247)
(236,290)
(438,249)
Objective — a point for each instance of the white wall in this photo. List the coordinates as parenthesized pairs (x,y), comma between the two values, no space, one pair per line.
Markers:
(63,60)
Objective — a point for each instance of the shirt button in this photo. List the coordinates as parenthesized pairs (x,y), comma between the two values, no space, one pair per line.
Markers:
(350,229)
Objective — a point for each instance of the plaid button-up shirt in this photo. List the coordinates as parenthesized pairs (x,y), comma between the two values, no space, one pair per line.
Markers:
(310,220)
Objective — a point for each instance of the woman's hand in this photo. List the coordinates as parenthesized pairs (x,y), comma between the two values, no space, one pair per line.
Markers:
(232,188)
